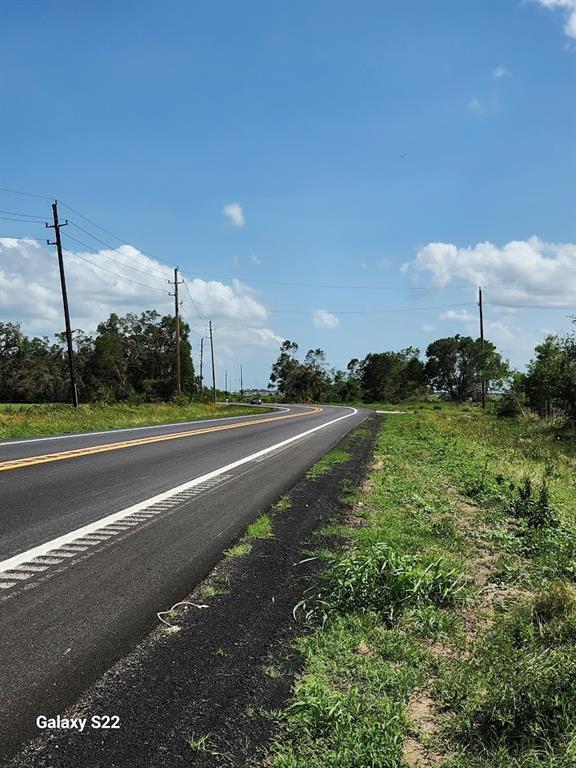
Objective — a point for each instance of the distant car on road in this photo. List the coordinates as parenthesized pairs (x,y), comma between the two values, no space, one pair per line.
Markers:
(256,401)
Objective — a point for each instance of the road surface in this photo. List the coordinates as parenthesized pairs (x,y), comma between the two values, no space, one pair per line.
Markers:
(100,531)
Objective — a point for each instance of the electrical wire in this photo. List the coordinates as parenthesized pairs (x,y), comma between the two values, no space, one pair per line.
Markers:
(191,326)
(116,250)
(367,287)
(29,215)
(107,231)
(25,194)
(105,269)
(25,221)
(203,319)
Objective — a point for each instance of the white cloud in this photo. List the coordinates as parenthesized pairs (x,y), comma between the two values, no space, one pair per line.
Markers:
(500,71)
(476,106)
(234,214)
(30,293)
(458,316)
(385,263)
(324,319)
(521,273)
(495,330)
(427,327)
(255,259)
(569,8)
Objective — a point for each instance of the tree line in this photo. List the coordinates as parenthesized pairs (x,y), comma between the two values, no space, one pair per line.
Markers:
(454,368)
(131,357)
(127,358)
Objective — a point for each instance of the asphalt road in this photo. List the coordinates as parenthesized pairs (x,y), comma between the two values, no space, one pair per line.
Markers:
(100,531)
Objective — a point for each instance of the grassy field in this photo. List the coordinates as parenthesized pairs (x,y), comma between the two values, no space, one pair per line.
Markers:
(443,633)
(57,419)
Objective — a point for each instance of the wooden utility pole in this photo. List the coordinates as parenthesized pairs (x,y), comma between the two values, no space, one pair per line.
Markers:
(213,369)
(241,384)
(226,383)
(482,346)
(177,329)
(201,363)
(58,243)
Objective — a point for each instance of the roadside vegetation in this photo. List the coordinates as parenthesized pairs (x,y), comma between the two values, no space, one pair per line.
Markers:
(56,419)
(261,528)
(443,630)
(453,369)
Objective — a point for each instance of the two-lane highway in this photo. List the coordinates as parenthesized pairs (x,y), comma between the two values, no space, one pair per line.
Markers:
(99,531)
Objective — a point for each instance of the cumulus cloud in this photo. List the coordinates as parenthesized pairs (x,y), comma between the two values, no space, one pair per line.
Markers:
(255,259)
(569,8)
(324,319)
(500,71)
(234,214)
(496,330)
(528,273)
(30,292)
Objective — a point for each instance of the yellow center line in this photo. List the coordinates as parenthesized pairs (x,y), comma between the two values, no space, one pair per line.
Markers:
(61,455)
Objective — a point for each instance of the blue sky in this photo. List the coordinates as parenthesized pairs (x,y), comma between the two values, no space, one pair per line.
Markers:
(354,137)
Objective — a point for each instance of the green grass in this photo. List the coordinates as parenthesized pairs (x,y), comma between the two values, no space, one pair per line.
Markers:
(239,550)
(261,528)
(38,420)
(283,504)
(214,587)
(337,456)
(460,586)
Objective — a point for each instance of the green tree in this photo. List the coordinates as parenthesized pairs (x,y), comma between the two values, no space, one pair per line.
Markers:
(457,364)
(550,382)
(392,376)
(300,381)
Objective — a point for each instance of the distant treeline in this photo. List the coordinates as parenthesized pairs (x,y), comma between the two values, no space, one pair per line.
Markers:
(453,368)
(130,357)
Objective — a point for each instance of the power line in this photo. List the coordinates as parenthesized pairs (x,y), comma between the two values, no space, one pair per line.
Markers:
(105,269)
(25,194)
(25,221)
(20,237)
(116,250)
(29,215)
(203,319)
(370,287)
(189,323)
(359,311)
(107,231)
(530,306)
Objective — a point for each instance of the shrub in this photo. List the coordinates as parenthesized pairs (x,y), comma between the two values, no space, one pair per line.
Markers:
(519,691)
(508,407)
(379,579)
(537,512)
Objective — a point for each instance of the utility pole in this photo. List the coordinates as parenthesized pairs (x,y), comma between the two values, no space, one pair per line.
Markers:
(177,328)
(58,243)
(201,364)
(213,369)
(482,346)
(241,384)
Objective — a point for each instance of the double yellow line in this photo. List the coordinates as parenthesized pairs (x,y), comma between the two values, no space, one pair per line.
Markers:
(30,461)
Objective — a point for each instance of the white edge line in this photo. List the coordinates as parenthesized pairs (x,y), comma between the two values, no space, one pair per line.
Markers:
(277,409)
(67,538)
